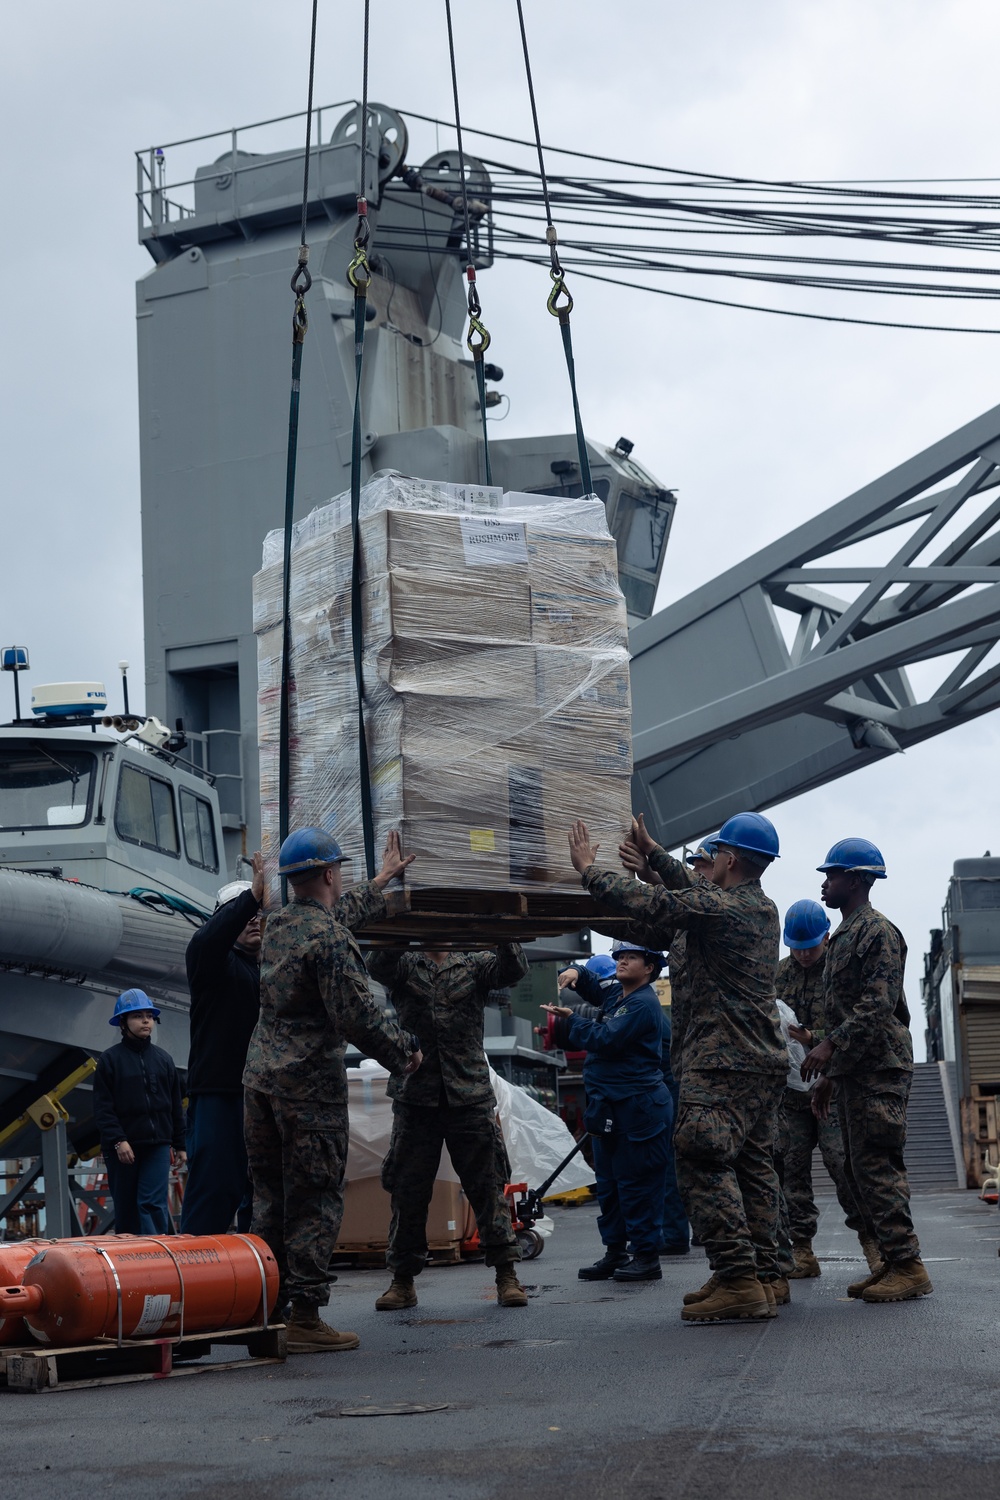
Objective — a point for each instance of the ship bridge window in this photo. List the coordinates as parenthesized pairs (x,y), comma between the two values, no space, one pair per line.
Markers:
(45,786)
(199,831)
(144,812)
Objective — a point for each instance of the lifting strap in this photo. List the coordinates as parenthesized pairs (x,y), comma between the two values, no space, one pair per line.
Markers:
(560,303)
(478,339)
(300,283)
(359,275)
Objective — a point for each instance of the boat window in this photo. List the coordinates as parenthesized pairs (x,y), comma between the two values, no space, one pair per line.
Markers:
(144,812)
(45,786)
(199,831)
(641,526)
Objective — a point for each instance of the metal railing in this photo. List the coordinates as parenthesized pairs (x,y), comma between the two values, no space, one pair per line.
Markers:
(157,203)
(203,740)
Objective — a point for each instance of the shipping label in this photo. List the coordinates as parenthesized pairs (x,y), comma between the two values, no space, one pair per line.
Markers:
(489,540)
(154,1311)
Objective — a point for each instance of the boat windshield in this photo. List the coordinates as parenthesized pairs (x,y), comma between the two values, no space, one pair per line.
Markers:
(45,786)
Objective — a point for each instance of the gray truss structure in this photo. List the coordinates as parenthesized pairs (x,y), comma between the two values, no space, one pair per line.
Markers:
(732,713)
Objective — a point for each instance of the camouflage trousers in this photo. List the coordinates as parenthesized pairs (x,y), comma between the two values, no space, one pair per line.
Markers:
(478,1155)
(799,1133)
(297,1153)
(724,1142)
(872,1109)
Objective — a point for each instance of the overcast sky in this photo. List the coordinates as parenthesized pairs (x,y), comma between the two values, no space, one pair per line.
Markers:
(758,421)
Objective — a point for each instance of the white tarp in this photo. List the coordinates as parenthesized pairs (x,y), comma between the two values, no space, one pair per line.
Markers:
(536,1139)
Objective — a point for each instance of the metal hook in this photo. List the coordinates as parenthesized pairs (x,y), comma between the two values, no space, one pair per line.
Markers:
(477,350)
(559,289)
(359,272)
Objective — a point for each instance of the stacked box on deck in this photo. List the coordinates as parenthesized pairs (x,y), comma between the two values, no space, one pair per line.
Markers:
(496,681)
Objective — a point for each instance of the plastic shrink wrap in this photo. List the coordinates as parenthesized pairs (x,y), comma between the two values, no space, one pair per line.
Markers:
(496,681)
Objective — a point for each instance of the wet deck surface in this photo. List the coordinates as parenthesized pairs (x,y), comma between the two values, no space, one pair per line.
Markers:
(592,1391)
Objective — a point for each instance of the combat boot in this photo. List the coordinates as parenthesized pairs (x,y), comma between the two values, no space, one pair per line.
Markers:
(510,1292)
(402,1293)
(308,1334)
(858,1288)
(772,1301)
(899,1282)
(703,1291)
(872,1252)
(782,1291)
(603,1269)
(806,1264)
(736,1298)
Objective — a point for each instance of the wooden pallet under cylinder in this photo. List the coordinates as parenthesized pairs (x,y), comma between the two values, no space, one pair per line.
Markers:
(37,1369)
(463,918)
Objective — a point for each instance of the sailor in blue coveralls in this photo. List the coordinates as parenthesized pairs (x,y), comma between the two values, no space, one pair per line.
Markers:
(629,1111)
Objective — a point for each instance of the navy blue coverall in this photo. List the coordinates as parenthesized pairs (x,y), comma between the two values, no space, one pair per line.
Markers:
(629,1112)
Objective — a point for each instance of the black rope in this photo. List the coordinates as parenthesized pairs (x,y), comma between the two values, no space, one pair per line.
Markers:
(478,340)
(300,283)
(560,303)
(359,275)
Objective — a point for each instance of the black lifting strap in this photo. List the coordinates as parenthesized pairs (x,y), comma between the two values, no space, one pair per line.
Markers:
(478,339)
(359,275)
(301,282)
(560,303)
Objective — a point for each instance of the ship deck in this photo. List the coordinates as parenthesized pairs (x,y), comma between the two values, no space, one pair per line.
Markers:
(592,1391)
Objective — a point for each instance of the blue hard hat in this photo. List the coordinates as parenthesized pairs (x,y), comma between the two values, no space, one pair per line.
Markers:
(651,953)
(602,964)
(705,850)
(308,849)
(132,1000)
(750,831)
(855,854)
(806,925)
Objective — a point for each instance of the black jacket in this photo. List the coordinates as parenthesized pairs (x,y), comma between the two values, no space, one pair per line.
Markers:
(225,1000)
(137,1096)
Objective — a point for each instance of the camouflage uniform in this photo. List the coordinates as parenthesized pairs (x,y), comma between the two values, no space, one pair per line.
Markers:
(867,1021)
(449,1101)
(799,1131)
(733,1057)
(680,1000)
(314,999)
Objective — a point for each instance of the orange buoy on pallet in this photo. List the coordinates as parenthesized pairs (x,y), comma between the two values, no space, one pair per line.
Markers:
(77,1291)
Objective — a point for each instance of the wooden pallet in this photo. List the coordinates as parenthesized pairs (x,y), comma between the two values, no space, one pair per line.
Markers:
(37,1369)
(462,918)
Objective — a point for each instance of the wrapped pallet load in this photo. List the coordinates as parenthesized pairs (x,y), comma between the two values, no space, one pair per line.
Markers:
(496,681)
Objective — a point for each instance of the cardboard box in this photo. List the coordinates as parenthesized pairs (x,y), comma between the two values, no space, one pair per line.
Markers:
(446,575)
(321,572)
(472,852)
(368,1210)
(475,670)
(408,602)
(575,616)
(566,676)
(604,803)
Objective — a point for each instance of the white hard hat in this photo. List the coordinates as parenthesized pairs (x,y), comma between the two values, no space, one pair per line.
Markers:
(231,891)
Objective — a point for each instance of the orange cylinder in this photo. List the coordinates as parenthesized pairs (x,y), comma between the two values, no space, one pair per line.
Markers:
(15,1255)
(77,1291)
